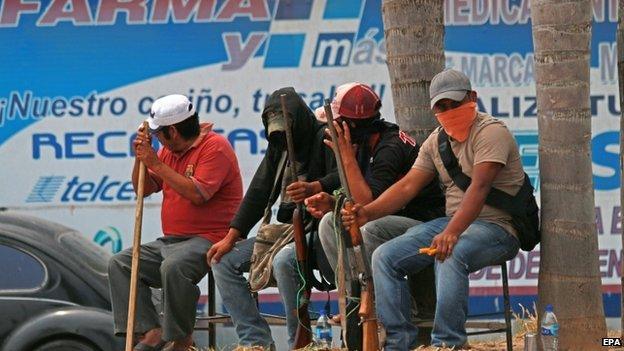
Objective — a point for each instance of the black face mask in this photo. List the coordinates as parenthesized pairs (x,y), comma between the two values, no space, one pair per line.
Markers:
(364,129)
(278,140)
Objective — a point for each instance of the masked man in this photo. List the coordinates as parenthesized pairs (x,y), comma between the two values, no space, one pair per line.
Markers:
(473,234)
(231,257)
(383,155)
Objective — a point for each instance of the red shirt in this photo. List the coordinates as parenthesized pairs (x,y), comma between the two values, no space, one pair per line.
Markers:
(212,165)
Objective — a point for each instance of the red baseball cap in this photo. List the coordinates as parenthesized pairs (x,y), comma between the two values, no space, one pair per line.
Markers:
(355,100)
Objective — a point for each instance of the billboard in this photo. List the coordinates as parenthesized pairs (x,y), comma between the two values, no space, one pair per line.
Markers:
(78,76)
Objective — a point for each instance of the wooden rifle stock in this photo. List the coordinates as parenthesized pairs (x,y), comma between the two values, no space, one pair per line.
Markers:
(303,336)
(354,231)
(368,318)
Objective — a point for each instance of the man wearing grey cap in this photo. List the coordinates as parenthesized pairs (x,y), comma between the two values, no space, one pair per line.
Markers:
(473,234)
(197,172)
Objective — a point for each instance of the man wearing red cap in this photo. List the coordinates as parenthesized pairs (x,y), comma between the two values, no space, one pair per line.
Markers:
(382,156)
(475,233)
(197,172)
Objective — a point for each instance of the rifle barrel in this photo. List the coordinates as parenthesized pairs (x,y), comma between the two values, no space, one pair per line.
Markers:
(303,335)
(290,144)
(334,135)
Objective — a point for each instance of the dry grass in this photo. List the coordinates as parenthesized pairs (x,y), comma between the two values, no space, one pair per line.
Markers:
(526,322)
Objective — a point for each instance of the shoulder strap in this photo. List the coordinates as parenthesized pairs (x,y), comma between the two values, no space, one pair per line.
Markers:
(496,198)
(450,162)
(274,192)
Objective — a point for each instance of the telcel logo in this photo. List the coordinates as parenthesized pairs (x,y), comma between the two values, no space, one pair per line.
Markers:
(77,190)
(109,236)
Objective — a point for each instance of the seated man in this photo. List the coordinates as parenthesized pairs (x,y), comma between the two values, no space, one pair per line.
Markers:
(384,154)
(472,236)
(231,257)
(198,173)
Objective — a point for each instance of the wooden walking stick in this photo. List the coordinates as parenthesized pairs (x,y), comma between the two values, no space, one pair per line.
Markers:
(136,252)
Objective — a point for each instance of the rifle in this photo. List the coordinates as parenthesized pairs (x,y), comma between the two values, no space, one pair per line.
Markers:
(303,337)
(368,318)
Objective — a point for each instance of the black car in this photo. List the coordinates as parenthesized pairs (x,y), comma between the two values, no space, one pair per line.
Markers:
(53,289)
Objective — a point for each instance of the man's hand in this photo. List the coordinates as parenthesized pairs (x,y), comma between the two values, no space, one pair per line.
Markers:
(356,216)
(444,244)
(319,204)
(219,249)
(143,149)
(343,135)
(298,191)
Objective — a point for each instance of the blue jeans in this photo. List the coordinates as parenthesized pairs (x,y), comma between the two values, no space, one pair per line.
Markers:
(481,244)
(251,328)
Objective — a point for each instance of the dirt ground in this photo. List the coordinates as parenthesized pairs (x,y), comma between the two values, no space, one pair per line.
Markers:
(500,345)
(495,345)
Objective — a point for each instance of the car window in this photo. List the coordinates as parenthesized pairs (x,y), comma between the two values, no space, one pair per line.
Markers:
(93,256)
(20,270)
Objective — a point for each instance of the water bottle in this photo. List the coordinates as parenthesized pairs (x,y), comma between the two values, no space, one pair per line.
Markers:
(323,332)
(549,330)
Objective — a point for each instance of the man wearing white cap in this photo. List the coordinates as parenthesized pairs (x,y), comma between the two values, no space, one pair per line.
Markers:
(198,173)
(473,234)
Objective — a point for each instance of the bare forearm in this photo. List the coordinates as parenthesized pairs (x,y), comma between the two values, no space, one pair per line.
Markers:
(399,194)
(469,209)
(180,184)
(360,191)
(233,235)
(390,201)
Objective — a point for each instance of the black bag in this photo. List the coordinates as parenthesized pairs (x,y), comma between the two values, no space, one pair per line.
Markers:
(522,207)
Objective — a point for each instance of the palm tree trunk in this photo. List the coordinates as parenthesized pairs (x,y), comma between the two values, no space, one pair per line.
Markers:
(620,52)
(414,34)
(569,275)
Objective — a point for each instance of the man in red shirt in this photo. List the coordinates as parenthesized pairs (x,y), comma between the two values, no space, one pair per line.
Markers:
(198,173)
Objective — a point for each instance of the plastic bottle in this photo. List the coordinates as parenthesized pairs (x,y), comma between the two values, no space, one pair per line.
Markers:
(323,331)
(549,330)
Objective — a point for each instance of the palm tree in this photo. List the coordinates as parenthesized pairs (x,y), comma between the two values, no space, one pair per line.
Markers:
(414,34)
(569,275)
(620,51)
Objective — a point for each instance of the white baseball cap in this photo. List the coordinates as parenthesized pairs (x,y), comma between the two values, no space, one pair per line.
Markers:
(169,110)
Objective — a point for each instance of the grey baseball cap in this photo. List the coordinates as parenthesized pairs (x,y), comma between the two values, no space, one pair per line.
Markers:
(449,84)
